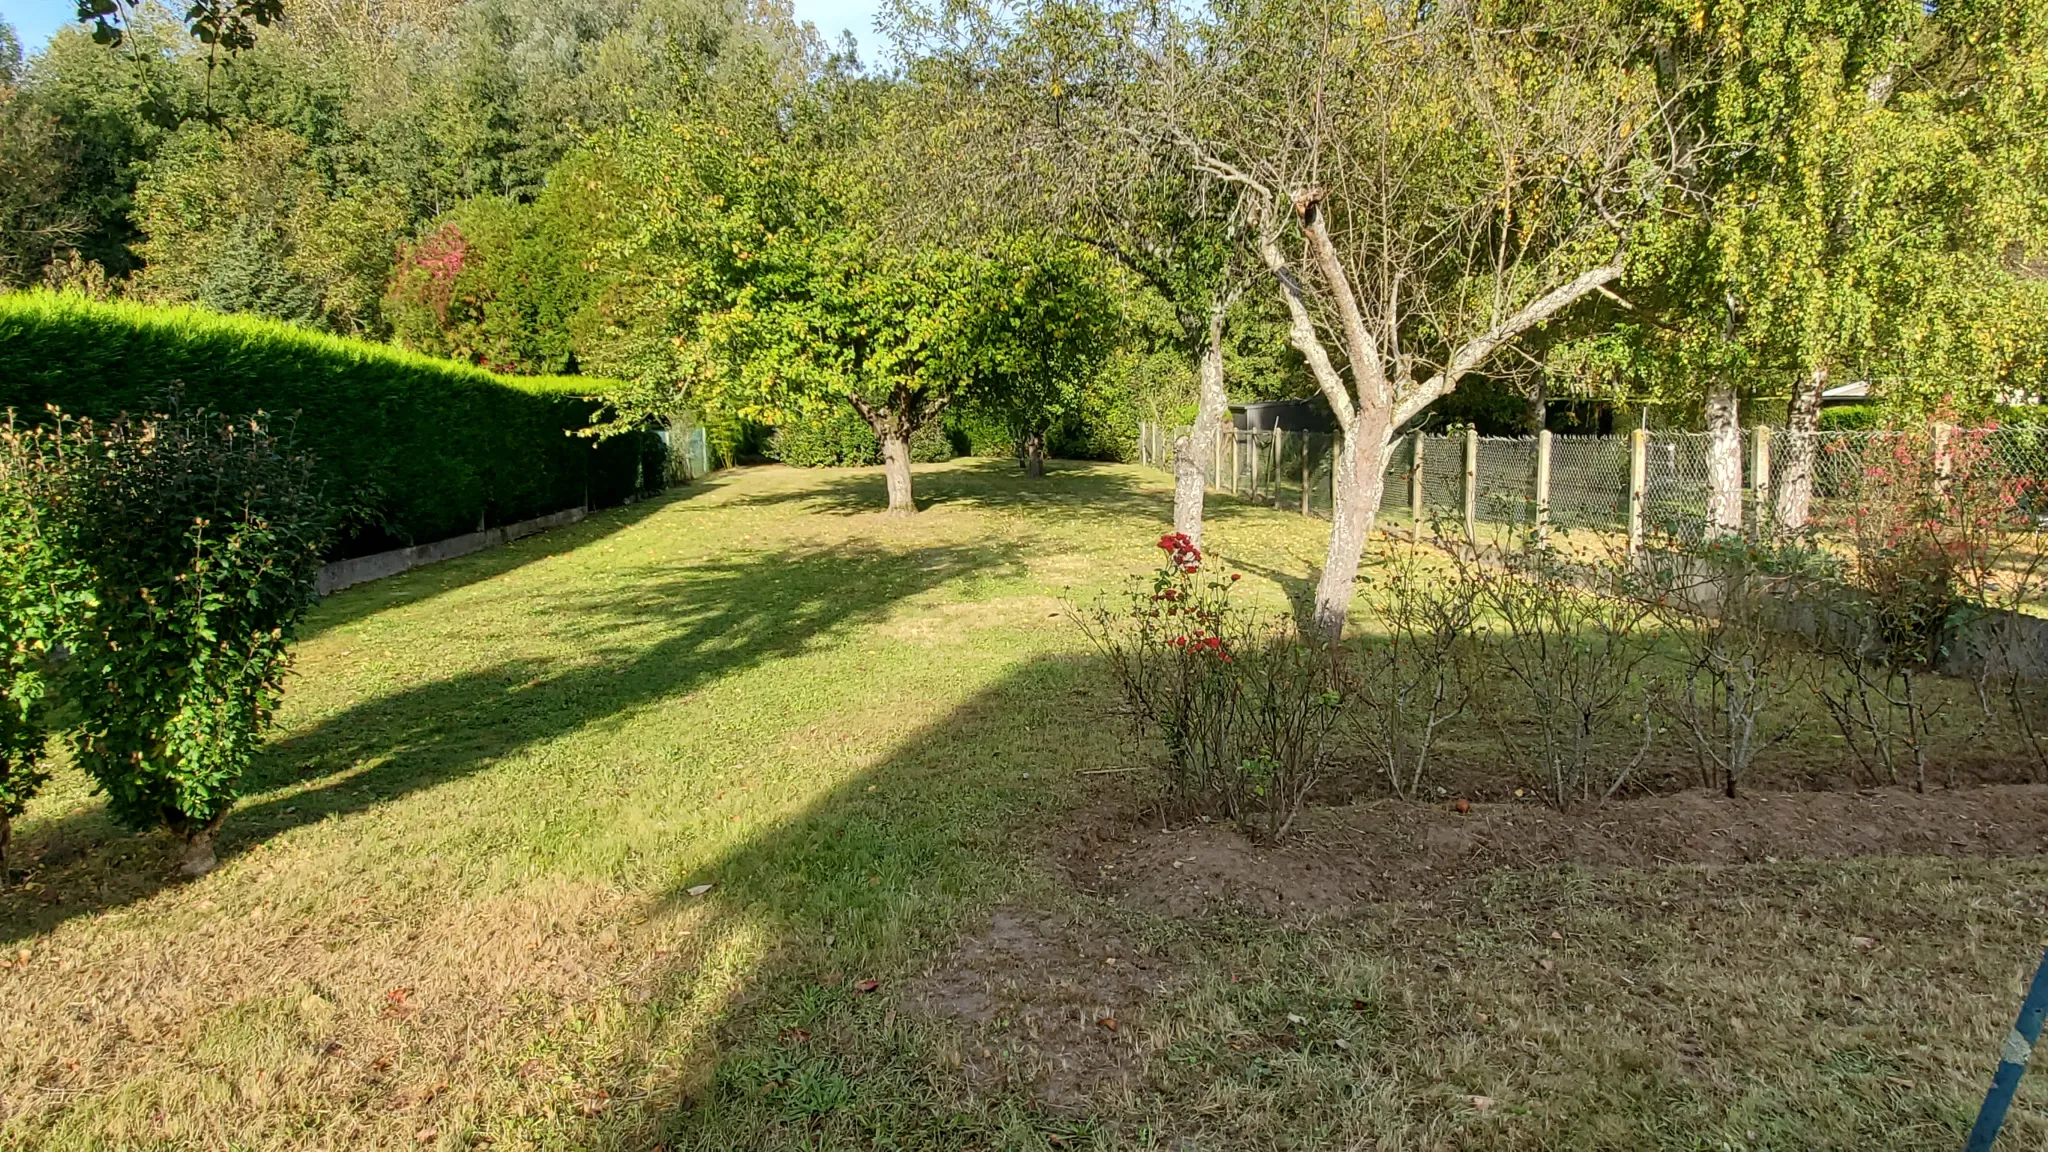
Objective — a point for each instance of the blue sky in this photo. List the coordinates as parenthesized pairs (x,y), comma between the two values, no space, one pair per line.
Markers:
(37,20)
(857,16)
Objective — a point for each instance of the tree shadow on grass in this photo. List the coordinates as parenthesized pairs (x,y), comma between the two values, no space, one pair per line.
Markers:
(651,635)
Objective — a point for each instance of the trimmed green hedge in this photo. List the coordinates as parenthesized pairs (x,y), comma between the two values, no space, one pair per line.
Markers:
(1851,418)
(414,449)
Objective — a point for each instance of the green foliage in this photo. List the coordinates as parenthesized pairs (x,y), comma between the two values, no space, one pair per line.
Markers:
(1851,198)
(224,26)
(837,437)
(391,124)
(753,282)
(35,169)
(243,222)
(833,437)
(1851,418)
(410,448)
(198,537)
(500,283)
(1049,328)
(40,596)
(110,111)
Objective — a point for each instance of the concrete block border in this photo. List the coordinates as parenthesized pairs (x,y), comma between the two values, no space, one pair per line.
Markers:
(363,569)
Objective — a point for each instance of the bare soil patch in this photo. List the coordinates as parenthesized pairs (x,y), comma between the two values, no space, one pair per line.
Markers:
(1046,1006)
(1345,856)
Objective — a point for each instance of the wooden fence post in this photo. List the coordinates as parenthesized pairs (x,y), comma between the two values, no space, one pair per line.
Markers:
(1305,442)
(1472,486)
(1638,482)
(1760,480)
(1335,457)
(1543,484)
(1236,461)
(1415,509)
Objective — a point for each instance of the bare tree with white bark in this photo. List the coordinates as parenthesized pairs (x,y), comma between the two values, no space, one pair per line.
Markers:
(1424,189)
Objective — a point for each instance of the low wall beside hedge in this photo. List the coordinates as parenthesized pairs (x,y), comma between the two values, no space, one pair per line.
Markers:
(413,449)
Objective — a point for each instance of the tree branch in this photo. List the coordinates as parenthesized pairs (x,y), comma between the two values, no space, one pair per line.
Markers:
(1360,347)
(1301,332)
(1476,350)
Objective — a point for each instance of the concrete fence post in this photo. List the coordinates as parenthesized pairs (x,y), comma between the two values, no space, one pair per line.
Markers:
(1279,461)
(1472,486)
(1944,461)
(1638,483)
(1543,484)
(1415,508)
(1760,480)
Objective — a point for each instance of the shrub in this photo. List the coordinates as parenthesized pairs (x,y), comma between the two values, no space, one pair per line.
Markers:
(1243,706)
(1419,677)
(411,449)
(1572,649)
(835,436)
(190,543)
(2003,636)
(1724,605)
(39,596)
(1930,506)
(497,282)
(1851,418)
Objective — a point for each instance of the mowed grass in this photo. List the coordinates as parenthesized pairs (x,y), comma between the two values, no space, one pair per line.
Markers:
(457,912)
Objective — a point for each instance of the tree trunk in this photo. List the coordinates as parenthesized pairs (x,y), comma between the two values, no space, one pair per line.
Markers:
(1793,486)
(1034,454)
(1191,455)
(199,858)
(1538,416)
(1361,472)
(6,841)
(896,470)
(1724,461)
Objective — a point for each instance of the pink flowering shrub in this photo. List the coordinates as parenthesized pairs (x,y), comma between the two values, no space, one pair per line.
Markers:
(1932,527)
(1242,706)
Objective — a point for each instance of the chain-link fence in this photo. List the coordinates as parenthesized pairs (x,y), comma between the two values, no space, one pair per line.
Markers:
(1659,483)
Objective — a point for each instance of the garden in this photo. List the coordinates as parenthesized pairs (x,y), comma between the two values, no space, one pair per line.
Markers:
(748,817)
(613,574)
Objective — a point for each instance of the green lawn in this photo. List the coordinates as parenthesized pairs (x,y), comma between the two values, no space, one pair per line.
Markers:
(456,911)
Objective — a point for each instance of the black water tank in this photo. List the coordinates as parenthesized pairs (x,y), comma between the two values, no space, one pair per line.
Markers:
(1287,415)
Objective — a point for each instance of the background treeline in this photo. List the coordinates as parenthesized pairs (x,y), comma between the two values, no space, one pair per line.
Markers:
(620,188)
(463,180)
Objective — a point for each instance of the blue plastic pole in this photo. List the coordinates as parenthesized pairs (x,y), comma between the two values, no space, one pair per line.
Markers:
(2012,1060)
